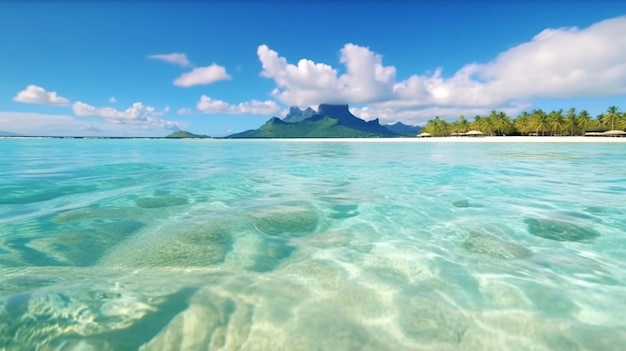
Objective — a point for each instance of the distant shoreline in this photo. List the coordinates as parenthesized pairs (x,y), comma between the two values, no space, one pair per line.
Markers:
(447,139)
(487,139)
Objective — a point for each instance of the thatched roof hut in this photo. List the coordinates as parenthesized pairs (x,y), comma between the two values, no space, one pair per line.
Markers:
(474,133)
(614,133)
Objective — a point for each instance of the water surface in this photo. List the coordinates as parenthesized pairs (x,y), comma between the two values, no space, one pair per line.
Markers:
(280,245)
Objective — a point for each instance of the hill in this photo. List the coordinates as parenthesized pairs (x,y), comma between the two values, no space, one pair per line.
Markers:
(181,134)
(404,129)
(330,121)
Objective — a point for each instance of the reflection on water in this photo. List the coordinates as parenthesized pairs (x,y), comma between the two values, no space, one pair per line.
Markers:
(224,245)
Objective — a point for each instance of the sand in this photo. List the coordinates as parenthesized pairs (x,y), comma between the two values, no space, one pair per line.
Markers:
(488,139)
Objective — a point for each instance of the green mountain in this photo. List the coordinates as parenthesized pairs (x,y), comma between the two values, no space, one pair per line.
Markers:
(331,121)
(404,129)
(296,114)
(181,134)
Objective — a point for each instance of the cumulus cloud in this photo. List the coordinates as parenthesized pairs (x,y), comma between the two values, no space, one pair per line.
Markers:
(202,76)
(556,63)
(112,100)
(34,94)
(38,124)
(137,114)
(253,107)
(569,62)
(417,116)
(177,58)
(64,125)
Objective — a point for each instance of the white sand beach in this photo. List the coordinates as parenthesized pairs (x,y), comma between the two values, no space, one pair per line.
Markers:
(488,139)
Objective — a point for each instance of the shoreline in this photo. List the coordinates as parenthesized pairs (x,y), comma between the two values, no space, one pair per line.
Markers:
(487,139)
(449,139)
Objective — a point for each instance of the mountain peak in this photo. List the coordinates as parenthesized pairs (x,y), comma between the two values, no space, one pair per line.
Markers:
(333,110)
(296,114)
(331,120)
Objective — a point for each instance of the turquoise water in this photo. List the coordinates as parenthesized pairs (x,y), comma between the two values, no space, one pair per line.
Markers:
(282,245)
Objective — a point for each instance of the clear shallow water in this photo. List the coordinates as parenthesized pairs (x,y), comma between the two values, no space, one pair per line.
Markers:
(281,245)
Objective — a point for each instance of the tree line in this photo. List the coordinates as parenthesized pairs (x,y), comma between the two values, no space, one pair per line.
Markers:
(535,122)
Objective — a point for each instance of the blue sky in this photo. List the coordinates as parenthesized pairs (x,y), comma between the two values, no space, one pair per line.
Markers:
(111,67)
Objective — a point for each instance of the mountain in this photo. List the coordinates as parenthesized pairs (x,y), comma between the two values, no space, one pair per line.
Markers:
(331,121)
(404,129)
(296,114)
(181,134)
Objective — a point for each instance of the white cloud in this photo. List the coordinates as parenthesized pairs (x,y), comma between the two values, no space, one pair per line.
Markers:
(112,100)
(202,76)
(63,125)
(556,63)
(37,124)
(308,83)
(177,58)
(184,111)
(137,114)
(418,116)
(253,107)
(37,95)
(568,62)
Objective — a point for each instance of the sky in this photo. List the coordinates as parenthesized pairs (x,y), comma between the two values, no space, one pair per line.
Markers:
(147,68)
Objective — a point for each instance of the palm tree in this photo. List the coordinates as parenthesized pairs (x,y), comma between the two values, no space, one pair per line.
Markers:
(436,127)
(492,119)
(507,124)
(429,127)
(539,121)
(622,122)
(571,120)
(584,121)
(500,122)
(475,123)
(556,122)
(441,127)
(482,124)
(460,126)
(611,117)
(522,123)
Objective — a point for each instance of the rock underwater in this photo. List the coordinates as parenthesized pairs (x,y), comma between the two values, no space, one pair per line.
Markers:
(487,244)
(560,230)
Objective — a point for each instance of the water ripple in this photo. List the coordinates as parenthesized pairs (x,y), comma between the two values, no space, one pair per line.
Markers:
(163,244)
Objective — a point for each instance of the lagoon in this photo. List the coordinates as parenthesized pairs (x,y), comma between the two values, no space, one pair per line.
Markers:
(309,245)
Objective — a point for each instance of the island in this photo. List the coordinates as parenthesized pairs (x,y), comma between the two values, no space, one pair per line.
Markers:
(329,121)
(181,134)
